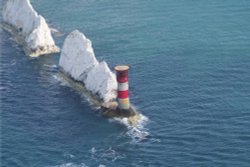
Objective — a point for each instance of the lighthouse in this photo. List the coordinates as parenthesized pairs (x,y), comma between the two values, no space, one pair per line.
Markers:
(121,107)
(123,87)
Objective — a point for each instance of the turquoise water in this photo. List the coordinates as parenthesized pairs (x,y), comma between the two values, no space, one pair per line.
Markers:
(190,77)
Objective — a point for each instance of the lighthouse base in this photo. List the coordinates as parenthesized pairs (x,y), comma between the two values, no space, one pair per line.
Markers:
(111,109)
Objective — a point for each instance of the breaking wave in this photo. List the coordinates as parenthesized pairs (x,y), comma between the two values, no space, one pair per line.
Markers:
(71,165)
(75,165)
(138,132)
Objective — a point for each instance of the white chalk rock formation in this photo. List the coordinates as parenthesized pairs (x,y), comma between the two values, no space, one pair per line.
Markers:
(32,27)
(102,81)
(77,56)
(78,60)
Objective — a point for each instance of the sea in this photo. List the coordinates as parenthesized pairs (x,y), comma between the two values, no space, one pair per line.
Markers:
(189,78)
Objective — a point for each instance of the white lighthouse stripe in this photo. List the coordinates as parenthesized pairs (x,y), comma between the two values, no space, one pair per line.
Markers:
(123,86)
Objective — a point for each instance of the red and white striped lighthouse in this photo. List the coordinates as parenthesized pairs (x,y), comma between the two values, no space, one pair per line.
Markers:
(123,93)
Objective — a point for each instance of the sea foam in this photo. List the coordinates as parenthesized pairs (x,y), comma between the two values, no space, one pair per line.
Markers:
(137,132)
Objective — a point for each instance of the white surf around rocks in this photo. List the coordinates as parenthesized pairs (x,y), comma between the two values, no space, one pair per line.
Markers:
(79,62)
(137,131)
(29,28)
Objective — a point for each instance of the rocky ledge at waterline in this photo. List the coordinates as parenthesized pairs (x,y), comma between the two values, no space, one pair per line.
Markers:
(28,28)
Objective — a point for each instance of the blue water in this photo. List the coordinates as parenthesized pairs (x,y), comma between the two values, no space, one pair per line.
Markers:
(190,77)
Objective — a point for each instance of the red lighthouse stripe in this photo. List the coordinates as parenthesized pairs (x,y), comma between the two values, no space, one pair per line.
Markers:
(122,79)
(123,94)
(122,76)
